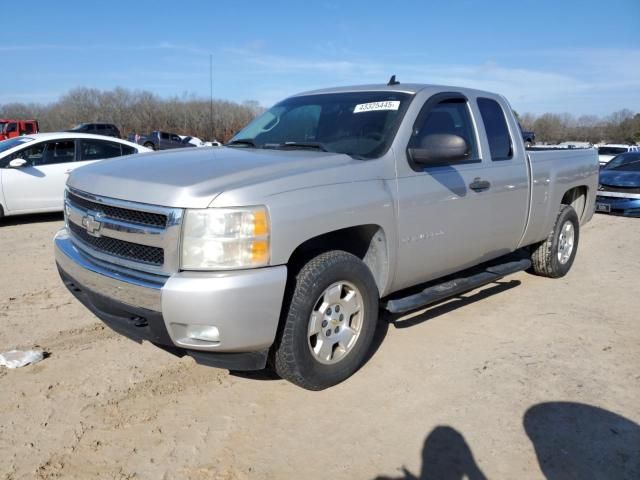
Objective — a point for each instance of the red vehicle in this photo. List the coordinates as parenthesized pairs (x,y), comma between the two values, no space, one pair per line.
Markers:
(10,128)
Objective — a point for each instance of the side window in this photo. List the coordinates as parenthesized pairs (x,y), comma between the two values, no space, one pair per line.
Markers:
(12,127)
(28,128)
(164,136)
(495,124)
(33,155)
(98,150)
(176,138)
(62,151)
(127,150)
(447,117)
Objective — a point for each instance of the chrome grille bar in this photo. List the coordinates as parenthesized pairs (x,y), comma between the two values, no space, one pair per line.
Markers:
(125,233)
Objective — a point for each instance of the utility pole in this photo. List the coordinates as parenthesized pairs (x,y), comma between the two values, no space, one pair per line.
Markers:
(211,96)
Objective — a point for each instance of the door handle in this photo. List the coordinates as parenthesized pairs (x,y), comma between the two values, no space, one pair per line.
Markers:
(479,185)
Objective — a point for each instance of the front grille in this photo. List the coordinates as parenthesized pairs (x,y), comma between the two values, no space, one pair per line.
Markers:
(118,213)
(120,248)
(610,188)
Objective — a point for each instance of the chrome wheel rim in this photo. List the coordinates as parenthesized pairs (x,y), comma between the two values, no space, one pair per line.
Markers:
(335,323)
(565,242)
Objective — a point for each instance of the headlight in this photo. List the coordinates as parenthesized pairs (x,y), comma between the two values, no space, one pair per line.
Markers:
(225,238)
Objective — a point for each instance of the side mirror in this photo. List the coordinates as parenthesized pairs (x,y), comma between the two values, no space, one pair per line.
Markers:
(440,148)
(17,163)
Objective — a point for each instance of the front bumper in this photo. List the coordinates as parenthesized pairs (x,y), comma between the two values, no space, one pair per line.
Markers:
(242,307)
(618,205)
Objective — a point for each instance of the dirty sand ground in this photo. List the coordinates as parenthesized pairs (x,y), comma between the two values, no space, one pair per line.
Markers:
(464,387)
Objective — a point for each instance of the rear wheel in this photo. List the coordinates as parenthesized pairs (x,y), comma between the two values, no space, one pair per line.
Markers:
(554,257)
(150,145)
(329,323)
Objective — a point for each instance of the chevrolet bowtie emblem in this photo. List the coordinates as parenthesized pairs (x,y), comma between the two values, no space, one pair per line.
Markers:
(92,224)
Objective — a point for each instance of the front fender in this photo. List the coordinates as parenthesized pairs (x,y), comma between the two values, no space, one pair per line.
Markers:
(300,215)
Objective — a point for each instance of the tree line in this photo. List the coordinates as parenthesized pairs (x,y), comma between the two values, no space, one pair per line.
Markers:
(620,127)
(141,111)
(138,112)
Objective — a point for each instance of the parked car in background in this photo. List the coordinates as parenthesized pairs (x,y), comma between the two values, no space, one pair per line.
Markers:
(573,144)
(158,140)
(10,128)
(529,138)
(200,143)
(619,188)
(608,151)
(195,141)
(285,243)
(106,129)
(34,168)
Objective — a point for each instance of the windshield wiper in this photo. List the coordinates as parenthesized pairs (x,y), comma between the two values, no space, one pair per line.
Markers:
(315,145)
(242,141)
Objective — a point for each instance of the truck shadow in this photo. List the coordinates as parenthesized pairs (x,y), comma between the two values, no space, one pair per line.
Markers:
(571,441)
(448,305)
(33,218)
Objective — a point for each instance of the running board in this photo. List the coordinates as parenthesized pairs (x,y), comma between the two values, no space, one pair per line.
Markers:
(455,287)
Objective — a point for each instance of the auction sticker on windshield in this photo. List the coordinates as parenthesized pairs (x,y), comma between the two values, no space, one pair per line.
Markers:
(373,106)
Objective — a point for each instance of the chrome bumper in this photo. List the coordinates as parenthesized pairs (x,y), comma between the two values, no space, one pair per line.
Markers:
(242,306)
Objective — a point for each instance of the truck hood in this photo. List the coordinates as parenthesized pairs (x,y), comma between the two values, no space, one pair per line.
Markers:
(620,178)
(193,178)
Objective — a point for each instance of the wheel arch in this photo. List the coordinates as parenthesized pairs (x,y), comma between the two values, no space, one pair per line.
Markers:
(368,242)
(577,198)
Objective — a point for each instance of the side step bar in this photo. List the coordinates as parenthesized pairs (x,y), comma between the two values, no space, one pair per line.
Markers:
(455,287)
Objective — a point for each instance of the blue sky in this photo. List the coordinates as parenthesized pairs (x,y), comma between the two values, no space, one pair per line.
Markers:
(581,57)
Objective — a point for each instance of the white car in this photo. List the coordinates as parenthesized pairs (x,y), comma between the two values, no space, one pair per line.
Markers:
(608,151)
(34,168)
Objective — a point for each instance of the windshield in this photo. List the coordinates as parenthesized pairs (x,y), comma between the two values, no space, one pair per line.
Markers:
(629,162)
(611,150)
(360,124)
(13,142)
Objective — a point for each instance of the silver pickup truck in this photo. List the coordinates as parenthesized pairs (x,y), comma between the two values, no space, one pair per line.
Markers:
(284,245)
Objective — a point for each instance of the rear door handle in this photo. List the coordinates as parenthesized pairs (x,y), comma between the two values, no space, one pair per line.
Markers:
(479,185)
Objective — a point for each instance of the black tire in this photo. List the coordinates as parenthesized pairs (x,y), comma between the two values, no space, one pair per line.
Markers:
(545,259)
(150,145)
(292,357)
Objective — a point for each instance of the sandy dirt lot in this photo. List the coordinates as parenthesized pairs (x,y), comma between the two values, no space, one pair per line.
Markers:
(528,378)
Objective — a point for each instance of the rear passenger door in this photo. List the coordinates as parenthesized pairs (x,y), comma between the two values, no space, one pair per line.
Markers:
(506,169)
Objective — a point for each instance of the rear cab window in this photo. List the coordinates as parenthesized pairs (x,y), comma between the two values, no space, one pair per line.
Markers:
(495,125)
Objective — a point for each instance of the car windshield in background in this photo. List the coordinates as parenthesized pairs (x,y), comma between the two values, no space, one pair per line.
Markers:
(629,162)
(13,142)
(360,124)
(611,150)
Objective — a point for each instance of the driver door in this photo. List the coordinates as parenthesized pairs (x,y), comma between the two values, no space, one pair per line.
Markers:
(39,185)
(443,222)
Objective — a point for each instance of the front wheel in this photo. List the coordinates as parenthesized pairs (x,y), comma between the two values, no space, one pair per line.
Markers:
(553,257)
(329,323)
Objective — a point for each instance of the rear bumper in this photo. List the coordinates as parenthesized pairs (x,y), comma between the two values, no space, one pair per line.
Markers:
(618,205)
(237,311)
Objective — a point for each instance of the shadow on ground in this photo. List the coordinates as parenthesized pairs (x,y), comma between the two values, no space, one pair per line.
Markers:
(571,441)
(35,218)
(450,304)
(445,456)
